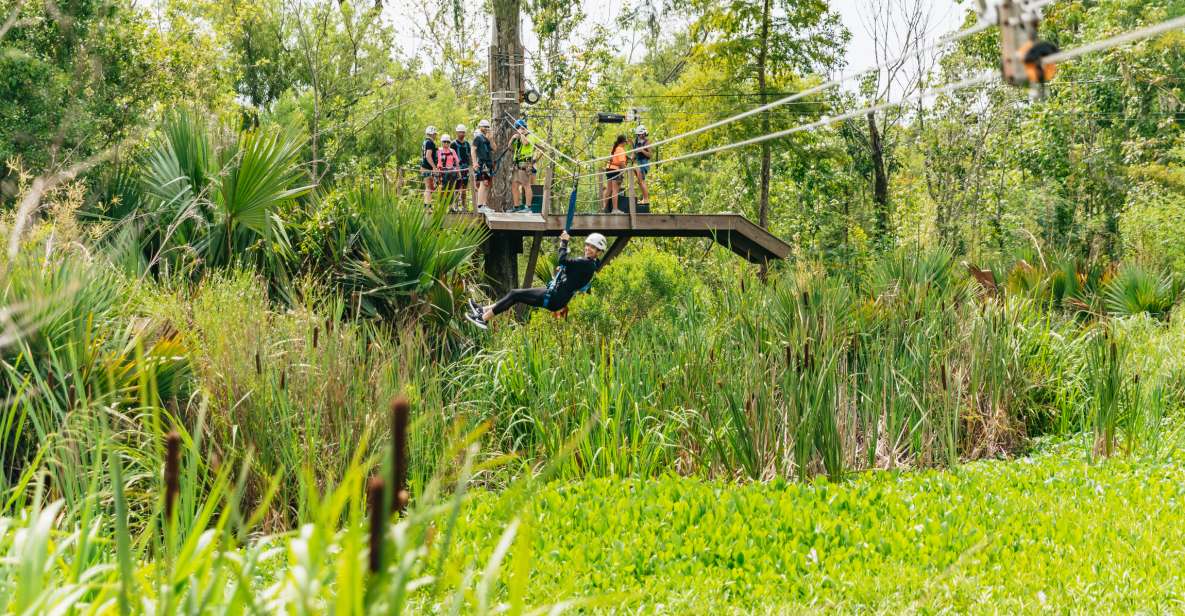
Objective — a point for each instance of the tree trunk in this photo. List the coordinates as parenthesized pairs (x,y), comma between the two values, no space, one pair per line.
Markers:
(505,54)
(762,58)
(880,182)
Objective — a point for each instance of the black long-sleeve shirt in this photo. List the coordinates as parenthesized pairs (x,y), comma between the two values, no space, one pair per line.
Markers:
(574,275)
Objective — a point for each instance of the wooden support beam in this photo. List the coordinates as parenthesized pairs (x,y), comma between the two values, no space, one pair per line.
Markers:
(615,249)
(532,259)
(630,197)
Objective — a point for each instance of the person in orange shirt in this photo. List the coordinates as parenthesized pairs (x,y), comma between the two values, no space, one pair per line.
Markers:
(613,172)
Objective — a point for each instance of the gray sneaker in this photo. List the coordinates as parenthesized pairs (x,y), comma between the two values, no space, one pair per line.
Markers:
(477,320)
(485,209)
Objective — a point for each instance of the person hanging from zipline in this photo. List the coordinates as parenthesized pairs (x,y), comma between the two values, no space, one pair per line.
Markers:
(618,161)
(642,155)
(522,145)
(572,275)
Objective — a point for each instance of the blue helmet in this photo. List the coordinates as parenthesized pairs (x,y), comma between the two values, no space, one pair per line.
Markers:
(520,124)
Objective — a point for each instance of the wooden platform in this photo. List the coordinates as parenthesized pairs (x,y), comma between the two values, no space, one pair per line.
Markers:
(732,231)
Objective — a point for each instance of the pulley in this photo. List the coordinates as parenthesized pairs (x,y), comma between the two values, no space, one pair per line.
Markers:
(1022,53)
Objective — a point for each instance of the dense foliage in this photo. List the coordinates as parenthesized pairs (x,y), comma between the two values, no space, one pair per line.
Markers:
(218,275)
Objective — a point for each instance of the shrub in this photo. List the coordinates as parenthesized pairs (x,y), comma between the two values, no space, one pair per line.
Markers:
(646,284)
(405,261)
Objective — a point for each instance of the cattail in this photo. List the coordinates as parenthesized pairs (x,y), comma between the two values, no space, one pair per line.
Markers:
(943,374)
(258,364)
(400,411)
(283,378)
(806,355)
(172,472)
(806,299)
(789,356)
(374,495)
(329,325)
(316,334)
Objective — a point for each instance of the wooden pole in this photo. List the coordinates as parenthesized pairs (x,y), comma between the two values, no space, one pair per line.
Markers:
(533,259)
(547,189)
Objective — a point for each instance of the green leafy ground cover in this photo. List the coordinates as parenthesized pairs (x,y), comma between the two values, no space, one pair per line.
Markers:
(1053,532)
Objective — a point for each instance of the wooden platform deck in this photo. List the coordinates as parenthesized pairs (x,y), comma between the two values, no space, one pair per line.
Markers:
(732,231)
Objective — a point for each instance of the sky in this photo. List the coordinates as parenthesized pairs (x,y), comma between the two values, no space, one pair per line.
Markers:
(945,16)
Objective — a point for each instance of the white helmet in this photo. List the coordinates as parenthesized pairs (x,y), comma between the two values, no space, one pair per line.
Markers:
(596,240)
(641,130)
(444,138)
(459,129)
(483,124)
(431,130)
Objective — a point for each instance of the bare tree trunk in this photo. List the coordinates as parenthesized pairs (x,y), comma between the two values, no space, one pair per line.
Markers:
(880,182)
(762,58)
(505,53)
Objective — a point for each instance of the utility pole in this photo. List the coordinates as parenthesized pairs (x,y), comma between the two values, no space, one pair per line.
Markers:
(506,78)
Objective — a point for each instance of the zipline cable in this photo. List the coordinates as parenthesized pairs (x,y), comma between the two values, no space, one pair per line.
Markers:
(545,144)
(980,79)
(942,41)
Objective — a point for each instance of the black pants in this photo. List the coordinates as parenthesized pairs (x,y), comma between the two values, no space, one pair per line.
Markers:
(530,297)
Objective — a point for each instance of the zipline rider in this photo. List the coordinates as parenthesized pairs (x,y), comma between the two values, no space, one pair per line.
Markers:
(571,277)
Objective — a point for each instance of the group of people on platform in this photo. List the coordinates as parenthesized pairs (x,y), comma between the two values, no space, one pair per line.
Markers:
(449,165)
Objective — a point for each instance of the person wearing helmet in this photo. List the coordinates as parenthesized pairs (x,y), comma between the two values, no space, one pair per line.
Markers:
(522,144)
(642,155)
(464,151)
(571,277)
(618,161)
(483,153)
(448,167)
(428,163)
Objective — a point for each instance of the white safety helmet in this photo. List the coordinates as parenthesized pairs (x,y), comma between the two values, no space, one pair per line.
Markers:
(431,130)
(444,138)
(596,240)
(459,129)
(483,124)
(641,130)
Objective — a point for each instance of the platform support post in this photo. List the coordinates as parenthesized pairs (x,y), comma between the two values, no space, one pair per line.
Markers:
(615,249)
(501,264)
(548,180)
(532,259)
(630,198)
